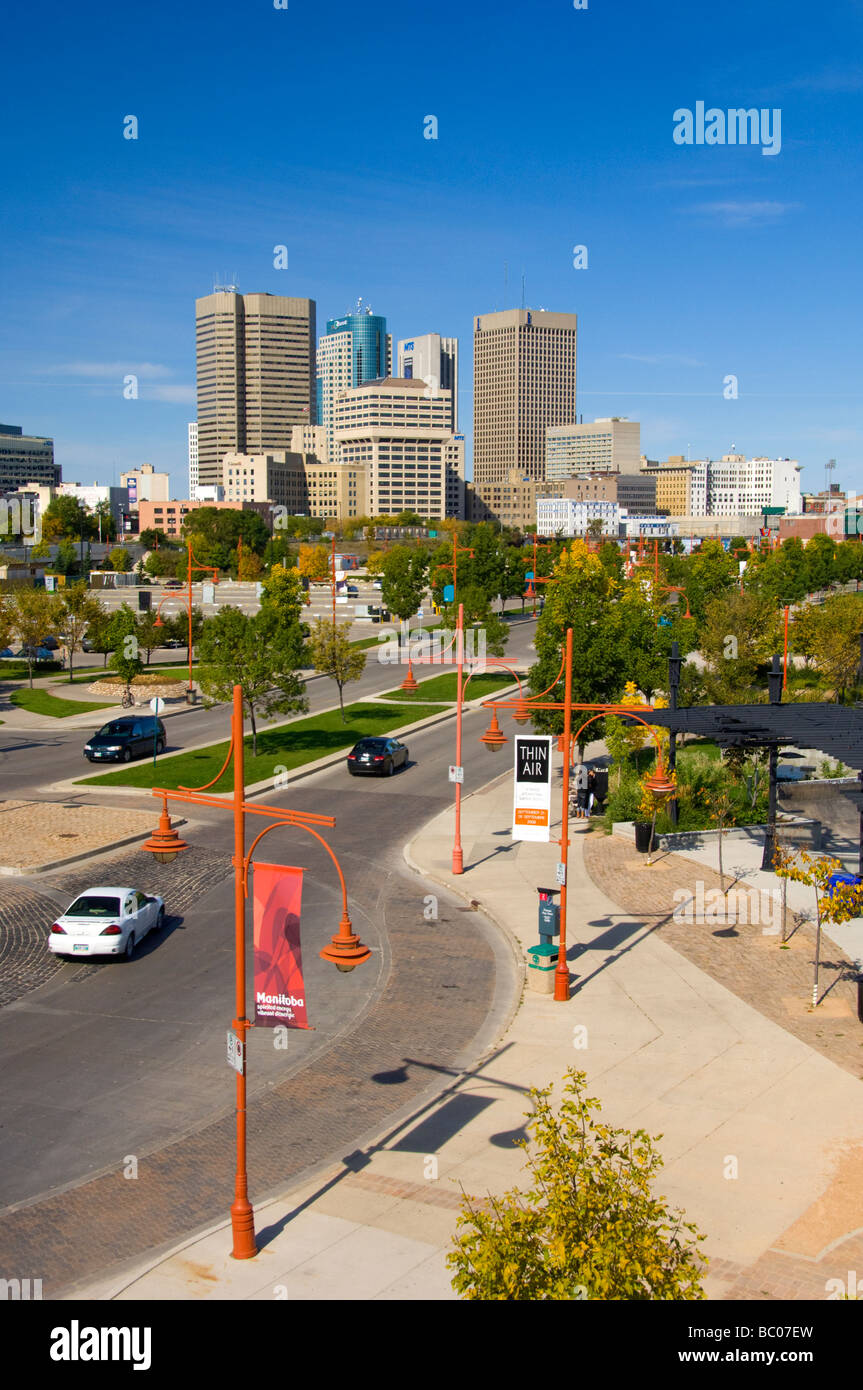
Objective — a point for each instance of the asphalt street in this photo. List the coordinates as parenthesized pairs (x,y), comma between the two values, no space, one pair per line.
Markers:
(103,1061)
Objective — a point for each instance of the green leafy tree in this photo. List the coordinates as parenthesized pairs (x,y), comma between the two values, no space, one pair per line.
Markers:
(121,560)
(125,656)
(99,633)
(177,627)
(66,560)
(283,591)
(403,575)
(737,636)
(833,903)
(332,655)
(588,1228)
(33,614)
(835,641)
(149,635)
(78,612)
(261,654)
(105,527)
(66,517)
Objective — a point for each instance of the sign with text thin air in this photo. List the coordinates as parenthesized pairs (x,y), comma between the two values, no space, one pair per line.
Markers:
(531,816)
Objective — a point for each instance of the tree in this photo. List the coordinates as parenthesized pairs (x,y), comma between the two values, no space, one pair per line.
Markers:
(261,654)
(66,517)
(581,596)
(374,562)
(121,560)
(78,610)
(835,641)
(215,532)
(7,627)
(595,528)
(149,635)
(403,575)
(99,633)
(32,613)
(249,565)
(332,655)
(152,538)
(738,634)
(478,614)
(588,1227)
(177,627)
(66,559)
(125,657)
(166,564)
(283,591)
(833,902)
(313,562)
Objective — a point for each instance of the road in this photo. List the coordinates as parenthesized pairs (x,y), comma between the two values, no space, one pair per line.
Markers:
(109,1061)
(31,762)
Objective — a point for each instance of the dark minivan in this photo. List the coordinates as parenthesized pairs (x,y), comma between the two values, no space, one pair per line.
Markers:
(125,739)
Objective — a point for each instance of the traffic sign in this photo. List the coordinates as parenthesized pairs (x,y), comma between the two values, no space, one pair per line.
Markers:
(236,1052)
(456,774)
(448,593)
(561,874)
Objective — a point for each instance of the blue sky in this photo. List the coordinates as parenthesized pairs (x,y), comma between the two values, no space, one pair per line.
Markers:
(304,127)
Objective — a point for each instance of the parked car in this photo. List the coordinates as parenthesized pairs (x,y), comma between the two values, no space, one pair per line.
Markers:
(52,644)
(352,591)
(87,645)
(377,584)
(174,584)
(173,643)
(106,922)
(126,738)
(377,756)
(35,654)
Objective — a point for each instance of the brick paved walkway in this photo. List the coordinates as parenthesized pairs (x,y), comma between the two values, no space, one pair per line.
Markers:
(776,982)
(33,833)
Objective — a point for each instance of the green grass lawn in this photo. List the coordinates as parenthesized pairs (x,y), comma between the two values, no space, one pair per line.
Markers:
(443,687)
(40,702)
(289,746)
(17,670)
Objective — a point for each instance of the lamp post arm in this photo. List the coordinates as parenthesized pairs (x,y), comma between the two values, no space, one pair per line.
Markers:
(247,862)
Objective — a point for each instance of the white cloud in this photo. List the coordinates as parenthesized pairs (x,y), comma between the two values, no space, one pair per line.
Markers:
(106,370)
(742,214)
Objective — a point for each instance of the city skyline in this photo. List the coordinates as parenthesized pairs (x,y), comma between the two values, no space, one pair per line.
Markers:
(686,265)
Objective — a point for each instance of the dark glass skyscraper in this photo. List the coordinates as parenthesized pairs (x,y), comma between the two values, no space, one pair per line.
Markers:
(355,349)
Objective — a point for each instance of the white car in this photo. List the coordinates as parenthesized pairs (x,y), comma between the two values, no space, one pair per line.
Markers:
(106,922)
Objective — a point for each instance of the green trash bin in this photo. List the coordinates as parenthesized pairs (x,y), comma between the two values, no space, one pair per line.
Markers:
(541,965)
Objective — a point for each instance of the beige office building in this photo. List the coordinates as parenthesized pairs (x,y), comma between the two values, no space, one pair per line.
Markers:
(256,374)
(524,381)
(398,430)
(514,501)
(611,445)
(297,481)
(146,485)
(337,491)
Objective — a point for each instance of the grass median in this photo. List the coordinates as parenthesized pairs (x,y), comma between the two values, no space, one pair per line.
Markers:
(40,702)
(289,746)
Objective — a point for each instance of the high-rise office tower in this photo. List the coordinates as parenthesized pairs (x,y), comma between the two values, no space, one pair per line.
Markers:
(256,374)
(193,458)
(435,360)
(355,349)
(524,381)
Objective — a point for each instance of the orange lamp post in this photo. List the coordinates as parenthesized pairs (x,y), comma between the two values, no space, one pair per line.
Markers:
(345,950)
(531,589)
(659,784)
(206,569)
(785,654)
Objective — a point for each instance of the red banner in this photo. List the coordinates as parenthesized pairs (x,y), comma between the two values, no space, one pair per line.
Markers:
(280,995)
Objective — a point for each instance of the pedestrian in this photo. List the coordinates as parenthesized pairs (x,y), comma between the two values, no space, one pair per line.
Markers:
(581,800)
(591,792)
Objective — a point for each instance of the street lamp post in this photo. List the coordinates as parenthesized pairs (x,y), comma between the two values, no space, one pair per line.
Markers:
(537,545)
(345,950)
(659,784)
(207,569)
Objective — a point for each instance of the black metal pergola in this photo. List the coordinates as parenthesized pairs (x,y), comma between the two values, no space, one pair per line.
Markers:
(836,730)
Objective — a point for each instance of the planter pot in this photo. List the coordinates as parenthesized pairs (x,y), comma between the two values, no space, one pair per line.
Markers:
(642,836)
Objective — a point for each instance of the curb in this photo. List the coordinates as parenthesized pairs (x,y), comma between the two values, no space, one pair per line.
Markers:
(6,872)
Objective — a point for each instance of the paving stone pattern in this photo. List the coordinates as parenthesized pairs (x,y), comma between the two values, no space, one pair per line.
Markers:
(437,996)
(776,982)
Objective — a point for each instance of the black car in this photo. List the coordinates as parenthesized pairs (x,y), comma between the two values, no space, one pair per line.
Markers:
(379,756)
(125,739)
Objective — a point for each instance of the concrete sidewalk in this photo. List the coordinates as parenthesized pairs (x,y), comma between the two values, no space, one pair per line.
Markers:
(762,1136)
